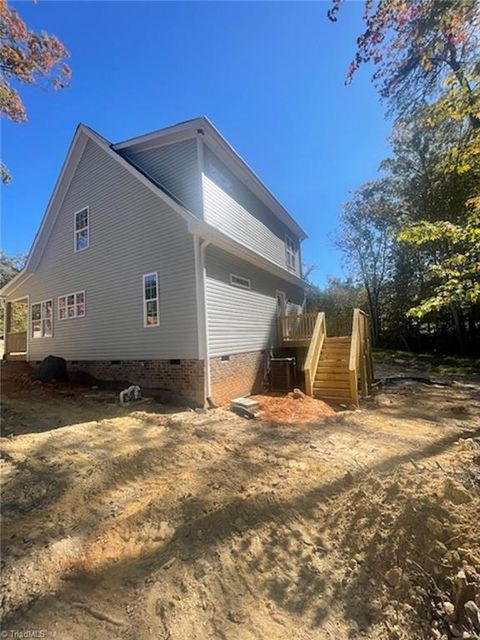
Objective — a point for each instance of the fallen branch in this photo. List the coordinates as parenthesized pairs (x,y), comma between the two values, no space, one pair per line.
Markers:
(98,614)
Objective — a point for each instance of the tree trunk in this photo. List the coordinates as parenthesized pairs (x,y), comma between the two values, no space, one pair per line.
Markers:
(459,327)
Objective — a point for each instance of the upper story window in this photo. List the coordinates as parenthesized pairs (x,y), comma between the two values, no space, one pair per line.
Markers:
(151,317)
(42,319)
(239,281)
(71,305)
(82,229)
(291,252)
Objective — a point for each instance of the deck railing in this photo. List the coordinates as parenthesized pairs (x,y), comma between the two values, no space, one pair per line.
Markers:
(15,344)
(296,328)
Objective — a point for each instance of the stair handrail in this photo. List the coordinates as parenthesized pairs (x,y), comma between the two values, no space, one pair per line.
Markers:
(354,356)
(360,363)
(313,354)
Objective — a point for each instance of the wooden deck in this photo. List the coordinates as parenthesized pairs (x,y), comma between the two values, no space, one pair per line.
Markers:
(338,360)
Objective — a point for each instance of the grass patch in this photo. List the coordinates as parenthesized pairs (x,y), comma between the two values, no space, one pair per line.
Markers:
(433,362)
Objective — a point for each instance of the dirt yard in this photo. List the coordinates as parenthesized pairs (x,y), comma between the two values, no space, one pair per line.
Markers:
(151,522)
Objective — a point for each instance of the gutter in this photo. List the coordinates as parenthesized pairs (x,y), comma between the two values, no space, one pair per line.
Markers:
(218,238)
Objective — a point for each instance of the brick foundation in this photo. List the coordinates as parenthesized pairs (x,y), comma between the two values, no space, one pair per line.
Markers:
(241,375)
(177,383)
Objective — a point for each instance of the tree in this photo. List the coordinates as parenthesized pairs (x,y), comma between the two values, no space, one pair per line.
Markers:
(418,45)
(338,298)
(25,58)
(366,239)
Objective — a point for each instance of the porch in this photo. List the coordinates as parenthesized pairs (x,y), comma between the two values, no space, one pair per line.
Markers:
(15,327)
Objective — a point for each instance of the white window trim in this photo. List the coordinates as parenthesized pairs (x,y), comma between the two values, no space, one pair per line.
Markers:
(145,324)
(75,230)
(238,284)
(40,302)
(293,252)
(65,295)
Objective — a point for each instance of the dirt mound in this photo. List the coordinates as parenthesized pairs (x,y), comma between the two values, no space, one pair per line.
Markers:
(292,408)
(146,524)
(411,542)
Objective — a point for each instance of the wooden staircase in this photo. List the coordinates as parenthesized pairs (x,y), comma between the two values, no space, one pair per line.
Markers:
(338,369)
(332,378)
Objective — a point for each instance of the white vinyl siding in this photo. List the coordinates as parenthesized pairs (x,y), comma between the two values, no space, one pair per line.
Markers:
(42,319)
(71,305)
(151,316)
(135,233)
(174,167)
(82,229)
(240,319)
(234,209)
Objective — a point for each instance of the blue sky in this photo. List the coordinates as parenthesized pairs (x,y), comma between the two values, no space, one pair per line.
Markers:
(269,75)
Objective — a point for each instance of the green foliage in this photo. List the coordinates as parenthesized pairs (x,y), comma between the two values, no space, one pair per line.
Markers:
(338,298)
(426,244)
(9,267)
(455,272)
(416,47)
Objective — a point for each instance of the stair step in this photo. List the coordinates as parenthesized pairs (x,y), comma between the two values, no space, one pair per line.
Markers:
(331,393)
(332,384)
(334,353)
(332,375)
(333,399)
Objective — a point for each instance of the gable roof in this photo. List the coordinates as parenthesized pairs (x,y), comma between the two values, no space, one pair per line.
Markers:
(224,150)
(82,135)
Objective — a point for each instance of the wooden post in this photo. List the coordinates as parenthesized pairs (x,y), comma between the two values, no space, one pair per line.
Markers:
(6,327)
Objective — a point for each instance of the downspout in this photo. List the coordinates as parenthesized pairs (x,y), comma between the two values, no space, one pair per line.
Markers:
(200,247)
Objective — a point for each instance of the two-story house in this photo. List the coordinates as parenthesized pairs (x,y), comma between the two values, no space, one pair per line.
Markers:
(161,260)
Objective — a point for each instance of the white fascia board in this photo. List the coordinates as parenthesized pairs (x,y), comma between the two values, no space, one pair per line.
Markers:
(72,158)
(175,133)
(221,240)
(15,282)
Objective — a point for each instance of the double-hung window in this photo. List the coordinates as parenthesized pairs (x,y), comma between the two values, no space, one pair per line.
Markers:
(71,305)
(290,252)
(42,319)
(151,317)
(82,229)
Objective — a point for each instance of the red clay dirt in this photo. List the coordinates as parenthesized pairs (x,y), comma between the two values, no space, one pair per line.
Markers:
(293,408)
